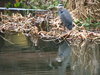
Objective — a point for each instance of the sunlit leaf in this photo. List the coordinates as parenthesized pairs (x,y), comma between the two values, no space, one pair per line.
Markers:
(8,5)
(17,4)
(86,24)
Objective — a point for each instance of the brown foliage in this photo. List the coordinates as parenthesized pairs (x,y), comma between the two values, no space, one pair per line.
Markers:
(82,9)
(34,26)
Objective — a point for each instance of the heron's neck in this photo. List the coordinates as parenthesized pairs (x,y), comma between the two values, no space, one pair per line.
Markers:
(60,9)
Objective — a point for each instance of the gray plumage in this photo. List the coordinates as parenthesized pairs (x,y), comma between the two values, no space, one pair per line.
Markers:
(65,17)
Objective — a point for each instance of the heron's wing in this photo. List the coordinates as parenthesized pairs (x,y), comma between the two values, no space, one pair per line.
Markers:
(66,18)
(65,15)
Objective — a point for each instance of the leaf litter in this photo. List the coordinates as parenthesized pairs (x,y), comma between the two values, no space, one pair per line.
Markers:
(47,27)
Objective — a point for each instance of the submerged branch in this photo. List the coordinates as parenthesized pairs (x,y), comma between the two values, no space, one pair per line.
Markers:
(6,40)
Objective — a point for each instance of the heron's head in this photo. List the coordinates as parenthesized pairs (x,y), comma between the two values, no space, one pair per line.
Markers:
(60,6)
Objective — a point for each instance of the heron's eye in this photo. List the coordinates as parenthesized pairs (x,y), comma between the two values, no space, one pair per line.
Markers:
(61,11)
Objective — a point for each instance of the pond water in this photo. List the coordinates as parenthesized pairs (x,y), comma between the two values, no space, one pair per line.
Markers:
(20,56)
(28,63)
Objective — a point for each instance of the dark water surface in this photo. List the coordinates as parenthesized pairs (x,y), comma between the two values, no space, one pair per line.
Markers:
(20,56)
(23,58)
(27,63)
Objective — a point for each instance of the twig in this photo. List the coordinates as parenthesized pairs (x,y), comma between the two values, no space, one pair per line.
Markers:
(6,40)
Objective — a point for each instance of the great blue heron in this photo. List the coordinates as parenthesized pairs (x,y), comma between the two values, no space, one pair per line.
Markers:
(65,16)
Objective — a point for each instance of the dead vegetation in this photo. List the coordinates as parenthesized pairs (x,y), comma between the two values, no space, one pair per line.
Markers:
(82,9)
(85,57)
(47,27)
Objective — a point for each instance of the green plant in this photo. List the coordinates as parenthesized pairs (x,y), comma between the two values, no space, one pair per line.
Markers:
(89,23)
(8,5)
(17,4)
(38,4)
